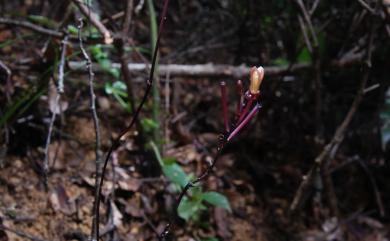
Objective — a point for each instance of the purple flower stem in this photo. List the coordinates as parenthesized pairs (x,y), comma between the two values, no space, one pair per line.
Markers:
(224,106)
(239,99)
(245,121)
(246,109)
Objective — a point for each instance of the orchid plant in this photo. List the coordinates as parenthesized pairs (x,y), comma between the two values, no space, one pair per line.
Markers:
(248,103)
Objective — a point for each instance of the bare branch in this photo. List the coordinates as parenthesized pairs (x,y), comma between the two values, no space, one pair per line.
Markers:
(93,17)
(220,70)
(43,30)
(60,90)
(95,221)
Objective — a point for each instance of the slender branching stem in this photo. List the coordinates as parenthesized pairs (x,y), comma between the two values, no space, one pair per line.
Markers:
(240,98)
(60,90)
(95,118)
(117,141)
(224,139)
(245,121)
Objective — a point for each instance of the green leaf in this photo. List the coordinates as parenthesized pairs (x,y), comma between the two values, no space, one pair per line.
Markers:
(108,88)
(119,85)
(42,20)
(189,208)
(280,61)
(169,160)
(304,56)
(148,124)
(175,174)
(217,199)
(72,29)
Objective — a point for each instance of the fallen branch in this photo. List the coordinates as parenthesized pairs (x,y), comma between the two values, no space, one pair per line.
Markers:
(45,31)
(217,70)
(60,90)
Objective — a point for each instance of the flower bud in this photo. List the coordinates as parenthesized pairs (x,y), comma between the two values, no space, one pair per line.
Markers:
(256,77)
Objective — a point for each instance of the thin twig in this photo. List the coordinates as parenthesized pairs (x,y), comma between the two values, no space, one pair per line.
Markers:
(374,187)
(60,90)
(366,6)
(95,117)
(45,31)
(307,18)
(149,83)
(314,7)
(8,79)
(221,70)
(313,48)
(93,18)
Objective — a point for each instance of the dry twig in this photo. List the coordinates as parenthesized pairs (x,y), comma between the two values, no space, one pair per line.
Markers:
(60,90)
(220,70)
(93,17)
(116,143)
(95,118)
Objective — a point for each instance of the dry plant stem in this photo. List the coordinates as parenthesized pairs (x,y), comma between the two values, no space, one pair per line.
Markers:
(8,80)
(60,90)
(117,141)
(330,149)
(33,27)
(93,18)
(217,70)
(366,6)
(128,17)
(306,16)
(313,47)
(122,44)
(374,187)
(45,31)
(96,128)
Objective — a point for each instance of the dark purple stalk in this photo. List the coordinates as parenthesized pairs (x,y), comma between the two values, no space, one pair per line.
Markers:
(224,106)
(240,94)
(222,143)
(245,111)
(149,83)
(244,122)
(189,185)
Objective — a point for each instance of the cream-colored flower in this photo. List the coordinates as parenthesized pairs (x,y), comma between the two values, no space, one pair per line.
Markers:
(256,77)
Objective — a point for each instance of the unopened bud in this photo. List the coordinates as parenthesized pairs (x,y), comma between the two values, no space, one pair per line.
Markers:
(256,77)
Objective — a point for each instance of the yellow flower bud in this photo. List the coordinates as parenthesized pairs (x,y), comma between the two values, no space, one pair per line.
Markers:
(256,77)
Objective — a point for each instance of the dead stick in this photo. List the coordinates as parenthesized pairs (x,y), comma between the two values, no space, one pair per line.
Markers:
(60,90)
(217,70)
(98,160)
(45,31)
(93,17)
